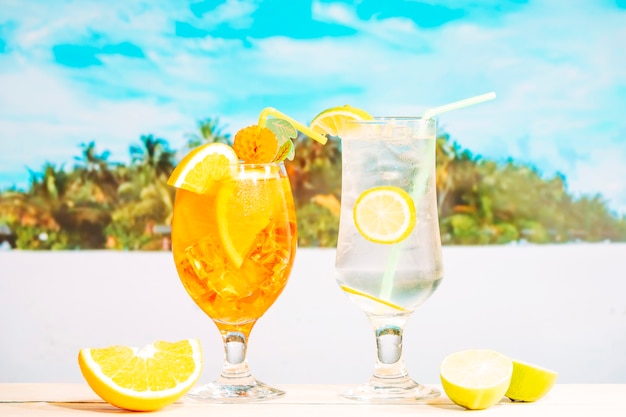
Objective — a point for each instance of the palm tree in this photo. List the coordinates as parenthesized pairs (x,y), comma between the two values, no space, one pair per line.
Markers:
(209,131)
(91,160)
(145,198)
(35,213)
(154,157)
(96,181)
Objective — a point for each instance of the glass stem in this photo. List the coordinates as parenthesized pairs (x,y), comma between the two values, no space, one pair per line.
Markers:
(390,365)
(235,363)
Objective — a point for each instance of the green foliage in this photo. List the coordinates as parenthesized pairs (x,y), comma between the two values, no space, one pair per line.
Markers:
(39,238)
(533,231)
(317,226)
(505,233)
(102,204)
(511,201)
(315,176)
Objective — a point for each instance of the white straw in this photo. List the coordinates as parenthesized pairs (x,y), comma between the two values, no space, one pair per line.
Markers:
(458,104)
(420,185)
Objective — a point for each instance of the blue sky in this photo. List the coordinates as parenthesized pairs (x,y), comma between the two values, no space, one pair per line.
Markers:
(75,71)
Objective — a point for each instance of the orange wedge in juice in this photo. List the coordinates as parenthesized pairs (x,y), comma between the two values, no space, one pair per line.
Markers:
(255,145)
(244,207)
(202,166)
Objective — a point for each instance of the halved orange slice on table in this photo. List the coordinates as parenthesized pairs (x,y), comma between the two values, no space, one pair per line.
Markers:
(142,379)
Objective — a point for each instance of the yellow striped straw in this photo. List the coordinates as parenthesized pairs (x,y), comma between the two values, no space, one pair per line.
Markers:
(270,111)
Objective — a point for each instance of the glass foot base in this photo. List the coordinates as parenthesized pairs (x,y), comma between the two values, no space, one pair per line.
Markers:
(404,392)
(220,392)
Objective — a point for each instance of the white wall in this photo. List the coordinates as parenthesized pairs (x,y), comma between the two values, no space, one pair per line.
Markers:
(563,307)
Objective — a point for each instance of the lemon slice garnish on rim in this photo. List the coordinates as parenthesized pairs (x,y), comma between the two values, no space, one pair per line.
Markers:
(384,214)
(334,120)
(203,165)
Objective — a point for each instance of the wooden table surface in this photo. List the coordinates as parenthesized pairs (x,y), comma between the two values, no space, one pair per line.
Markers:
(44,399)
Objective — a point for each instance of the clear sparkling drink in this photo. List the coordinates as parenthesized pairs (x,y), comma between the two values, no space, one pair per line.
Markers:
(392,277)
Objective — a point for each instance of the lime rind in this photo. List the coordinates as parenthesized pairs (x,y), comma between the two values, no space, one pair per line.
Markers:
(530,382)
(476,379)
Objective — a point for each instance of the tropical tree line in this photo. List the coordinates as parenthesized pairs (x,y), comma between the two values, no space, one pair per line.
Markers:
(99,203)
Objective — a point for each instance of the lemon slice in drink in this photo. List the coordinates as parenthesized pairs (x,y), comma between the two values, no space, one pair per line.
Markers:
(384,214)
(354,291)
(334,120)
(529,382)
(202,166)
(144,379)
(476,379)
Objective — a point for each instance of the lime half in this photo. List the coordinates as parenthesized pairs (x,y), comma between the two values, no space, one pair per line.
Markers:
(529,382)
(476,379)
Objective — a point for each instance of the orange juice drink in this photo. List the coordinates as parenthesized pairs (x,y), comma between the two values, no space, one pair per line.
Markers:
(234,240)
(234,244)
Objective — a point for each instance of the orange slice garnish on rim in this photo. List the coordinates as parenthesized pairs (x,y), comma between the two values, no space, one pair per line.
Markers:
(202,166)
(255,145)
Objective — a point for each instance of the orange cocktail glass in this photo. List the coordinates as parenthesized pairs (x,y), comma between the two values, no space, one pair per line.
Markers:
(234,246)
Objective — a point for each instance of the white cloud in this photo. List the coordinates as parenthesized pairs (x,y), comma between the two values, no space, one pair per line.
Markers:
(558,71)
(603,172)
(396,31)
(237,13)
(45,116)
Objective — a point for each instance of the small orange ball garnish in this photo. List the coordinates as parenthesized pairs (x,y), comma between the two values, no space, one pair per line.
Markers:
(254,144)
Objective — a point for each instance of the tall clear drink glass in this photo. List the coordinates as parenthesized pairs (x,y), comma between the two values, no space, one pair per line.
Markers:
(389,250)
